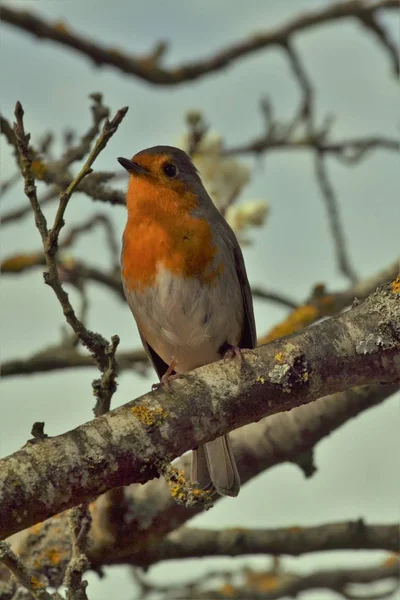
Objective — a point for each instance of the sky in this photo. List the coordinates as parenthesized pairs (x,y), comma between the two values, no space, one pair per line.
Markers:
(293,251)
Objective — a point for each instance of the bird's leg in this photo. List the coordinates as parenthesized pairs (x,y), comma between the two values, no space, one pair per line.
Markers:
(169,373)
(168,376)
(228,351)
(232,351)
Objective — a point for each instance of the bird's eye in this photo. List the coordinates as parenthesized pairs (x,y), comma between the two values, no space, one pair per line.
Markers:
(170,170)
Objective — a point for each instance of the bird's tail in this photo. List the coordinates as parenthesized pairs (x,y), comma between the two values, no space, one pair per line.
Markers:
(214,466)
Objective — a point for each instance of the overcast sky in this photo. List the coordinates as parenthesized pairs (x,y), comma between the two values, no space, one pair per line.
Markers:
(353,80)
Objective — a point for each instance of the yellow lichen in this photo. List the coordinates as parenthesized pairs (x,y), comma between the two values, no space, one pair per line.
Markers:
(20,262)
(260,379)
(294,529)
(60,27)
(228,590)
(280,358)
(54,556)
(184,492)
(304,377)
(35,583)
(237,529)
(38,168)
(396,285)
(262,582)
(177,483)
(149,416)
(35,529)
(326,305)
(391,560)
(297,320)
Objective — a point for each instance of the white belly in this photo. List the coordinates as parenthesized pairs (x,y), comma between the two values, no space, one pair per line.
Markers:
(185,321)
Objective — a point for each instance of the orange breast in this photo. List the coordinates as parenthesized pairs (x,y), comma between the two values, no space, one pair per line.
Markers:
(161,231)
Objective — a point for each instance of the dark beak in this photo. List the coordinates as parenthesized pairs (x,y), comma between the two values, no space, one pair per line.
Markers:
(131,167)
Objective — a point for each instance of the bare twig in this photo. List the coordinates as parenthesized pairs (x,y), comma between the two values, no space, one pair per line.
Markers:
(305,112)
(348,151)
(79,525)
(109,129)
(334,220)
(79,151)
(63,357)
(93,221)
(370,20)
(270,295)
(56,173)
(101,350)
(105,387)
(149,67)
(8,184)
(30,582)
(18,213)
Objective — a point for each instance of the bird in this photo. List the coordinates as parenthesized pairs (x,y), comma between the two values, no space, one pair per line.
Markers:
(185,281)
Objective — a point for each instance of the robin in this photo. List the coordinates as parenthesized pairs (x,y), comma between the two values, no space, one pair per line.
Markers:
(185,281)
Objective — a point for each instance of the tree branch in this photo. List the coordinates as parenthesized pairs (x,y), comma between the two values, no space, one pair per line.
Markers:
(323,303)
(21,574)
(188,542)
(348,151)
(274,584)
(135,442)
(334,219)
(149,67)
(67,357)
(119,538)
(102,351)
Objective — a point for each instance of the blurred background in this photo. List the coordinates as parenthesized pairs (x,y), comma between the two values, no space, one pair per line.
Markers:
(290,252)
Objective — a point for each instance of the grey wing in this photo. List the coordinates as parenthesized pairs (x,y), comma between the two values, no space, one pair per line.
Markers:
(249,337)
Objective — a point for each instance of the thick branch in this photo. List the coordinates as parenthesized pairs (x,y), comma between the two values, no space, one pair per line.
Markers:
(149,67)
(354,535)
(119,538)
(134,442)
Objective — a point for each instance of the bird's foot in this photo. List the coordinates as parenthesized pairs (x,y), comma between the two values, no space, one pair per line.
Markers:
(168,376)
(229,351)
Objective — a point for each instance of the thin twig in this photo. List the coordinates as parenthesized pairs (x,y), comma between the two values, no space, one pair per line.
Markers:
(79,525)
(334,219)
(370,21)
(79,151)
(264,294)
(18,213)
(93,221)
(105,387)
(9,183)
(22,575)
(109,129)
(348,151)
(306,108)
(54,358)
(99,347)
